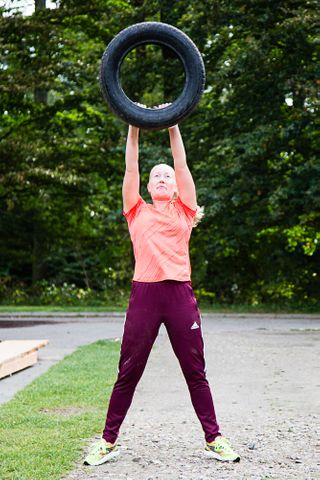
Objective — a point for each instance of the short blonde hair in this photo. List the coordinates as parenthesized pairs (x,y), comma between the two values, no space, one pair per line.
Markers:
(199,212)
(198,216)
(158,165)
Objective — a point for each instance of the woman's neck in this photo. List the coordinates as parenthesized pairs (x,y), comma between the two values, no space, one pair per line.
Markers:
(161,204)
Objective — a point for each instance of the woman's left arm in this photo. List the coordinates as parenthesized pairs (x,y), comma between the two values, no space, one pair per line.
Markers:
(185,183)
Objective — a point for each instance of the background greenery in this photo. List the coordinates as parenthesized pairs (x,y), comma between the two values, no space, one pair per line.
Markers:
(252,145)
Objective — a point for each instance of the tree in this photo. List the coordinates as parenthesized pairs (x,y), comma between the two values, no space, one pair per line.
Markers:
(252,145)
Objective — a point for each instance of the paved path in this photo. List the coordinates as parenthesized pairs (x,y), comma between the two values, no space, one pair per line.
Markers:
(65,333)
(264,375)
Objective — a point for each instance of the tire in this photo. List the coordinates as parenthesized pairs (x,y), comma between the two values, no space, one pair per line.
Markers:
(160,34)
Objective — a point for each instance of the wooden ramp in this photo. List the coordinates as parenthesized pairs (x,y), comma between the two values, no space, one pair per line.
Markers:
(18,354)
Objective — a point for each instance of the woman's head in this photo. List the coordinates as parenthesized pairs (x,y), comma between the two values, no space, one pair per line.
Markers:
(162,182)
(162,186)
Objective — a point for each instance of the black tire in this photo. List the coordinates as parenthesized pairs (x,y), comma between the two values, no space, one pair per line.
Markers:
(160,34)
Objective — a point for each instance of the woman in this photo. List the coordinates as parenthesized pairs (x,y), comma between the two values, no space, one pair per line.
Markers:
(161,292)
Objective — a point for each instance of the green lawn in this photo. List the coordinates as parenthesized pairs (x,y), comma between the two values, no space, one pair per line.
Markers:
(53,308)
(44,429)
(216,308)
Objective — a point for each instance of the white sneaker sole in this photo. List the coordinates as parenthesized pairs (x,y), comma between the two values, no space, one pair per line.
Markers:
(218,457)
(107,458)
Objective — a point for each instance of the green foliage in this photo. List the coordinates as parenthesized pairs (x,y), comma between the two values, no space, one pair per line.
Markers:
(46,293)
(260,168)
(252,145)
(203,297)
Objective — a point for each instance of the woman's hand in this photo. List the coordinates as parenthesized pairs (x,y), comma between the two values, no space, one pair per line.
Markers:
(162,105)
(140,105)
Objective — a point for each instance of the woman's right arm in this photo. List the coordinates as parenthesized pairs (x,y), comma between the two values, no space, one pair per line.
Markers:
(131,181)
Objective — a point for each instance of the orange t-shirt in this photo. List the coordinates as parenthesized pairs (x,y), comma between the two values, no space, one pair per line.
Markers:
(160,240)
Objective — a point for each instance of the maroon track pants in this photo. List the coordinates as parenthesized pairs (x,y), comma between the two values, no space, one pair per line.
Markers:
(151,303)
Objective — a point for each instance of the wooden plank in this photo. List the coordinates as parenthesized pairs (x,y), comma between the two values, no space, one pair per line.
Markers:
(18,364)
(10,349)
(18,354)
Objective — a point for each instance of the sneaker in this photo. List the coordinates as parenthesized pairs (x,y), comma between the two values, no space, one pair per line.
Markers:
(101,452)
(221,449)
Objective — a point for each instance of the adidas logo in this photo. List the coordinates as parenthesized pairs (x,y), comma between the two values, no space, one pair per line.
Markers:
(194,326)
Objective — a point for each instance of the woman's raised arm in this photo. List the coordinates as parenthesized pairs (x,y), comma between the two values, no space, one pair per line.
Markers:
(185,183)
(131,180)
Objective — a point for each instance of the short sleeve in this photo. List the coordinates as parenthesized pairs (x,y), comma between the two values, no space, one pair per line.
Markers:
(134,211)
(189,213)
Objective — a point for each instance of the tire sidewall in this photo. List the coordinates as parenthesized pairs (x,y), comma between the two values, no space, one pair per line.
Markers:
(160,34)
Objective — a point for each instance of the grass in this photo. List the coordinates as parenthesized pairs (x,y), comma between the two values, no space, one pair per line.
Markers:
(261,308)
(45,427)
(53,308)
(216,308)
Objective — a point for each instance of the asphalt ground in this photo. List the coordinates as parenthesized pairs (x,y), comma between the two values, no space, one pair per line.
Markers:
(263,371)
(67,331)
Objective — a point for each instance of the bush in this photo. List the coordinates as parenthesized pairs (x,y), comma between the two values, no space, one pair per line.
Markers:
(45,293)
(204,297)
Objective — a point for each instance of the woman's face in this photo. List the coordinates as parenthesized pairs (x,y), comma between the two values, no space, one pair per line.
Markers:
(162,182)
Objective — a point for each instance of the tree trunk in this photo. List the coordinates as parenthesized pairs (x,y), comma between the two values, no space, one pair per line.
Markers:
(168,14)
(39,264)
(39,4)
(39,244)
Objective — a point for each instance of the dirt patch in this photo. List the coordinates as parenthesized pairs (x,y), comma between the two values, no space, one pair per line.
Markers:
(68,411)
